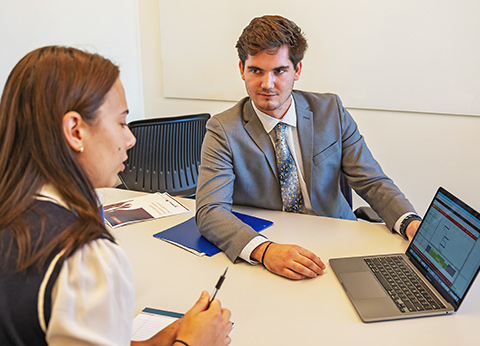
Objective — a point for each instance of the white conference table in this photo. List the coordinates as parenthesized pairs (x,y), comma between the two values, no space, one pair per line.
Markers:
(271,310)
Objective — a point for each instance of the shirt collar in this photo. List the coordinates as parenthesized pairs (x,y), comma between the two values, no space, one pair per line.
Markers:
(268,122)
(49,193)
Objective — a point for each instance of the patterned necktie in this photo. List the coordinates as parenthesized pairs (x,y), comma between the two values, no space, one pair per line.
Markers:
(287,172)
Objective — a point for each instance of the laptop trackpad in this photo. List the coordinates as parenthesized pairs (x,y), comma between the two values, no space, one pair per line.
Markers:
(362,285)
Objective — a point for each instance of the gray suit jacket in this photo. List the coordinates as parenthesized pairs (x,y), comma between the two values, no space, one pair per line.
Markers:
(238,167)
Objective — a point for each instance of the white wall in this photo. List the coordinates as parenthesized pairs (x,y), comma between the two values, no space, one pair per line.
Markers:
(423,151)
(393,54)
(107,27)
(155,103)
(419,151)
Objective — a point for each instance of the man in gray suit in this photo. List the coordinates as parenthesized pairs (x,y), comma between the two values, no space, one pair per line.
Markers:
(249,159)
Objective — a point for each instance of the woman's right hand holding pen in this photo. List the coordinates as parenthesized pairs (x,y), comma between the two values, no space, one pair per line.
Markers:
(205,325)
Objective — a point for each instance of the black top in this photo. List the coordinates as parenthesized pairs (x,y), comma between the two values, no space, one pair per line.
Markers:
(19,322)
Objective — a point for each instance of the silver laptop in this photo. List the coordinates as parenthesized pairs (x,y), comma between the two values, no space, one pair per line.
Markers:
(442,260)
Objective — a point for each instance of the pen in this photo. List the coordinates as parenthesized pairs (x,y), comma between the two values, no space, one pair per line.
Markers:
(217,286)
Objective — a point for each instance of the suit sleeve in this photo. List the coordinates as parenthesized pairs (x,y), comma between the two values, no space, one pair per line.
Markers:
(366,176)
(214,196)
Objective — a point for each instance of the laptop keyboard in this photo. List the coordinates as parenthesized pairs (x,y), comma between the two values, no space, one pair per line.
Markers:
(403,285)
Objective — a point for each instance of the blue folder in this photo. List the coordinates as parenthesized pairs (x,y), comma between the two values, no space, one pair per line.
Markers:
(187,236)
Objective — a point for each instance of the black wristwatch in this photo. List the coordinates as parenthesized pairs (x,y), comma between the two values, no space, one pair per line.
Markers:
(406,222)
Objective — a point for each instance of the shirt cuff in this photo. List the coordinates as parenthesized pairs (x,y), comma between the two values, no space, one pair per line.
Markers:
(396,228)
(252,245)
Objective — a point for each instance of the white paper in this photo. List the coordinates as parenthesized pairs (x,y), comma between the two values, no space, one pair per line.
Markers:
(137,209)
(147,324)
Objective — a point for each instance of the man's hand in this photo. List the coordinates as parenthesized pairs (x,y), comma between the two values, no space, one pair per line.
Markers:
(290,261)
(412,229)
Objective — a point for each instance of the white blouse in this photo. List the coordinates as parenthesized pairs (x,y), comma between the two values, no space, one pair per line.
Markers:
(93,298)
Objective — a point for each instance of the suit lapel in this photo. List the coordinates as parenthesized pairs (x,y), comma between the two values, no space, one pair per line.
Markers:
(254,128)
(305,136)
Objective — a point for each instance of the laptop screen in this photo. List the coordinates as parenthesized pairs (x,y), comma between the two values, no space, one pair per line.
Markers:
(446,247)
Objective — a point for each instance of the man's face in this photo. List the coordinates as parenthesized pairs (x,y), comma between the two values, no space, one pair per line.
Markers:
(269,77)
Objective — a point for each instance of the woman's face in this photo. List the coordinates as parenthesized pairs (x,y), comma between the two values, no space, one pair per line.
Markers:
(107,140)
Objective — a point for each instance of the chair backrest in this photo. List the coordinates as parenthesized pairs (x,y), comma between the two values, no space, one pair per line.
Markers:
(166,156)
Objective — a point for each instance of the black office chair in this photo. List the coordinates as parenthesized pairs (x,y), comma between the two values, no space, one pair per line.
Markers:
(167,155)
(364,213)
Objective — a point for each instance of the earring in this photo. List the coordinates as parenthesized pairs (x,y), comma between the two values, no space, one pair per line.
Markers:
(81,150)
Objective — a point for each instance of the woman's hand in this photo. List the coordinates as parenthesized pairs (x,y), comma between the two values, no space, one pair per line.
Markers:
(201,327)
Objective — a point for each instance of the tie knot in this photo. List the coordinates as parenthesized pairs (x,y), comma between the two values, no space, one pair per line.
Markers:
(280,130)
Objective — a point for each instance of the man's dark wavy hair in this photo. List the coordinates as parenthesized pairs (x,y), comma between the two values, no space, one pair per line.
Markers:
(270,33)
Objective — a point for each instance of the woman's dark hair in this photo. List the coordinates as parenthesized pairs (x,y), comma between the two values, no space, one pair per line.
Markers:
(270,33)
(45,85)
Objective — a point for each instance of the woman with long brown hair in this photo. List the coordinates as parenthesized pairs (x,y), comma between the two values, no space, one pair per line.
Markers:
(63,279)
